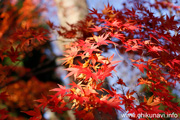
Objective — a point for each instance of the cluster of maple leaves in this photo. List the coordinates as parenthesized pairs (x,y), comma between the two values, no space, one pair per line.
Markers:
(135,31)
(19,35)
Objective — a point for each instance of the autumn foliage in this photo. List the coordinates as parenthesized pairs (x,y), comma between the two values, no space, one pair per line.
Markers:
(136,31)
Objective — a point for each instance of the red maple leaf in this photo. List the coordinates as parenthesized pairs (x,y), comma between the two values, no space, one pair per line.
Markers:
(91,49)
(120,81)
(59,109)
(96,29)
(44,101)
(3,114)
(175,61)
(13,54)
(60,91)
(101,40)
(141,67)
(156,49)
(51,25)
(3,96)
(36,114)
(74,71)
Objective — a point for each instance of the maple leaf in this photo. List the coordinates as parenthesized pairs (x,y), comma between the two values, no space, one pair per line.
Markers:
(36,114)
(107,9)
(73,84)
(60,91)
(91,49)
(13,54)
(59,109)
(74,71)
(115,102)
(133,48)
(72,96)
(149,101)
(111,92)
(93,11)
(141,67)
(115,23)
(96,29)
(151,35)
(175,61)
(111,60)
(3,114)
(44,101)
(3,96)
(40,37)
(68,34)
(130,27)
(55,99)
(2,56)
(89,90)
(133,44)
(51,25)
(102,74)
(156,49)
(70,54)
(128,100)
(149,107)
(118,35)
(88,73)
(120,81)
(144,81)
(101,40)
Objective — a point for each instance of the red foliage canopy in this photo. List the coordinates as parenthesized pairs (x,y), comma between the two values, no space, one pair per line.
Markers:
(134,30)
